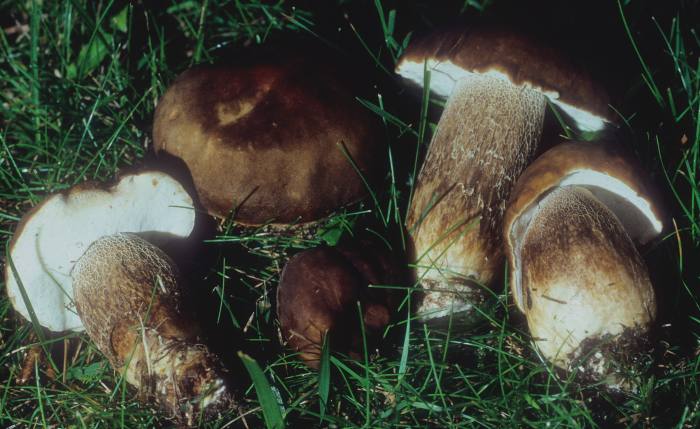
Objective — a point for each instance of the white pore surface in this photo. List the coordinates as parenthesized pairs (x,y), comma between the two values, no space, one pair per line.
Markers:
(632,209)
(444,75)
(57,234)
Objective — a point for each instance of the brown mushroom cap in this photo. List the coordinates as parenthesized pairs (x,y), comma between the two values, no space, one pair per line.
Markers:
(452,54)
(269,139)
(601,168)
(318,294)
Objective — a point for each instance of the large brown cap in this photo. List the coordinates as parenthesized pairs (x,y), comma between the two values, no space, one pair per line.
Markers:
(271,140)
(613,179)
(455,53)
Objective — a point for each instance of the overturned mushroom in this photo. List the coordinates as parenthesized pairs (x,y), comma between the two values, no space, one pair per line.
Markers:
(318,294)
(54,234)
(575,271)
(274,141)
(498,84)
(130,299)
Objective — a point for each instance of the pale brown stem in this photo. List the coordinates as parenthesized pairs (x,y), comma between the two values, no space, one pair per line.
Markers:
(486,136)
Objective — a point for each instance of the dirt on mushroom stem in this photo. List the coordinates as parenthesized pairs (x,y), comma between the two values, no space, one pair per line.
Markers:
(488,132)
(621,358)
(129,297)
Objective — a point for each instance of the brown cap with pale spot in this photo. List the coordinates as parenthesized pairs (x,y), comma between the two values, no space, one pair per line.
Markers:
(271,141)
(612,178)
(452,53)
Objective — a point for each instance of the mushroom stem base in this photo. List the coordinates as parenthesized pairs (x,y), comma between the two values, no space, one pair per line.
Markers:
(183,379)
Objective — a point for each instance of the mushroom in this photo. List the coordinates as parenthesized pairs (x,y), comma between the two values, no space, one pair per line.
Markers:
(53,235)
(129,296)
(318,294)
(276,142)
(498,84)
(575,271)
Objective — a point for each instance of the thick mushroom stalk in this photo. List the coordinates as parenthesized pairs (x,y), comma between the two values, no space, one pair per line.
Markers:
(459,200)
(130,299)
(589,301)
(497,83)
(570,228)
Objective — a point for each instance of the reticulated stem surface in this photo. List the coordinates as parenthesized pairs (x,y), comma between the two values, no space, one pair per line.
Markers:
(487,134)
(583,281)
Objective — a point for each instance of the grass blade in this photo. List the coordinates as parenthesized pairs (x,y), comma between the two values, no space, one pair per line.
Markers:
(270,408)
(324,375)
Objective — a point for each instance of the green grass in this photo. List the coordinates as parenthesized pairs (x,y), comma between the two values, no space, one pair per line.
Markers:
(78,84)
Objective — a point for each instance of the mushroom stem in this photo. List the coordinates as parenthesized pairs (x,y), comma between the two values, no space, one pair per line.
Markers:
(130,299)
(488,132)
(183,378)
(587,295)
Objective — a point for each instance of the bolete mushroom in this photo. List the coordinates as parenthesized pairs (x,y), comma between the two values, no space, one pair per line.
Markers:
(52,236)
(318,294)
(129,296)
(575,271)
(498,84)
(275,141)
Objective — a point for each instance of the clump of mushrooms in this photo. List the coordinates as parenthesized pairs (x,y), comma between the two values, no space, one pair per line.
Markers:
(575,271)
(278,141)
(318,297)
(498,85)
(68,271)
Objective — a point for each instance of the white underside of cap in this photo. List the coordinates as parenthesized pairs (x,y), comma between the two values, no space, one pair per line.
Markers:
(445,74)
(57,234)
(641,224)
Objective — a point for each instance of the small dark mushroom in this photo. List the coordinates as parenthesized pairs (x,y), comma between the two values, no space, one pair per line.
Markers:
(318,294)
